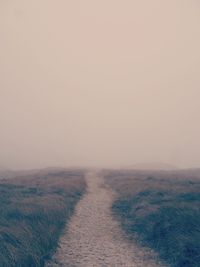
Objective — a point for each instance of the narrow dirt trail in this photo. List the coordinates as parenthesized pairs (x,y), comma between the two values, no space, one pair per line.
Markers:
(94,239)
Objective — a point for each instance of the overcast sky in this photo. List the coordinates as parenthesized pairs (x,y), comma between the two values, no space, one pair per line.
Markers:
(89,82)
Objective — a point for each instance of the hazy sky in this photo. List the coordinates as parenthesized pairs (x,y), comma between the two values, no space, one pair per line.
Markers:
(110,82)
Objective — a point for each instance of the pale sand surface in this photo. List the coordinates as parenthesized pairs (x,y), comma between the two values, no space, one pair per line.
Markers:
(94,239)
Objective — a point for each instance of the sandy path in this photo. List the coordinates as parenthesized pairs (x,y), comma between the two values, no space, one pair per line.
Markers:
(94,239)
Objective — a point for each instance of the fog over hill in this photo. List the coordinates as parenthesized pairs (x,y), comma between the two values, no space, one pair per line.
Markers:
(153,166)
(99,83)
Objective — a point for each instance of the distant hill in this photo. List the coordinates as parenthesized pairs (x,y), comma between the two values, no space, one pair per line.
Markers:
(9,174)
(153,166)
(6,174)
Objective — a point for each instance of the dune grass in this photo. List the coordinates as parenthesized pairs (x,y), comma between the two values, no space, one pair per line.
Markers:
(161,210)
(34,209)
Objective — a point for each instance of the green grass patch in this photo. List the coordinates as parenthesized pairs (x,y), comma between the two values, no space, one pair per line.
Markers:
(33,212)
(161,211)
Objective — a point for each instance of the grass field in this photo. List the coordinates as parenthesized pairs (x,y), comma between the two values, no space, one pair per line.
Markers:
(161,210)
(34,209)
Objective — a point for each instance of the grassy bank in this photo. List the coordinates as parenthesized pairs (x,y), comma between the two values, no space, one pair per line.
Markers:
(161,210)
(34,209)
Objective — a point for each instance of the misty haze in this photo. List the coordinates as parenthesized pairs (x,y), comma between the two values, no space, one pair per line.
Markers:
(100,147)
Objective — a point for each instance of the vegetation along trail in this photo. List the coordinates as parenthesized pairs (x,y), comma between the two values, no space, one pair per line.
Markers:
(94,239)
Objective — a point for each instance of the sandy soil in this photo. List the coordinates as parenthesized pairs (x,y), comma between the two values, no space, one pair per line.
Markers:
(94,239)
